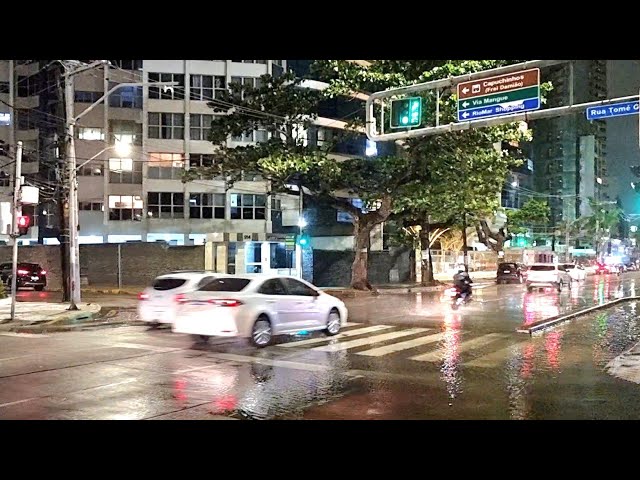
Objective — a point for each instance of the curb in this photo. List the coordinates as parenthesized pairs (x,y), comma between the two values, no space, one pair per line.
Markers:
(65,328)
(551,321)
(111,291)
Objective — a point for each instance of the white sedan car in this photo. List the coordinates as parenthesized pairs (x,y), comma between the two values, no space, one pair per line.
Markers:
(576,272)
(257,307)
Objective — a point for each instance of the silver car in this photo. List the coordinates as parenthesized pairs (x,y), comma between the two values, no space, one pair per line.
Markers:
(547,275)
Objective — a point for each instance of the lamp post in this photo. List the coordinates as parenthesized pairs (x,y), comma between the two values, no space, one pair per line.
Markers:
(73,68)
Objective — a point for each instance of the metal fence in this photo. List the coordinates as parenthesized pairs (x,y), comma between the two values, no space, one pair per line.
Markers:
(445,261)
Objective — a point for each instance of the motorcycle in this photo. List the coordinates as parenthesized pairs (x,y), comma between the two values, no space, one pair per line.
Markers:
(457,297)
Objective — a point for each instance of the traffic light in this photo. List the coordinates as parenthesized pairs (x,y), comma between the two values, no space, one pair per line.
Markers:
(303,240)
(406,112)
(24,223)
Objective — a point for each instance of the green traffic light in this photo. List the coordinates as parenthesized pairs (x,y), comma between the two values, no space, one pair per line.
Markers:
(406,112)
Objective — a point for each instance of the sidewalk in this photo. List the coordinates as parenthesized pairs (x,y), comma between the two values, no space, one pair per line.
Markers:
(44,314)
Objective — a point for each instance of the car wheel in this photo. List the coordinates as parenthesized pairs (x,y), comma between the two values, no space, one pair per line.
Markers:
(262,333)
(200,338)
(333,322)
(156,325)
(39,288)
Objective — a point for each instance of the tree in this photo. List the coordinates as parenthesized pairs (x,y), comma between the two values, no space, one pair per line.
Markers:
(286,111)
(533,212)
(604,218)
(451,240)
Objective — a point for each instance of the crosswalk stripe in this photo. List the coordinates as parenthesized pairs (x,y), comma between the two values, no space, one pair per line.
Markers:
(350,333)
(493,359)
(23,335)
(336,347)
(349,324)
(396,347)
(469,344)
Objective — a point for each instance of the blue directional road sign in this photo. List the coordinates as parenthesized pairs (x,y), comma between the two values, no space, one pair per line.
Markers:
(614,110)
(499,109)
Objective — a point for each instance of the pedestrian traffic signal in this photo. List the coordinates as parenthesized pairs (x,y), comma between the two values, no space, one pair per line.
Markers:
(24,223)
(406,112)
(303,240)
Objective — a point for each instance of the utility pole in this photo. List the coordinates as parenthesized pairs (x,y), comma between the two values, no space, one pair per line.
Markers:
(74,267)
(17,211)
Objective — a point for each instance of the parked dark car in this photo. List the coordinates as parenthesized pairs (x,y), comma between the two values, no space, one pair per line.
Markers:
(29,275)
(509,273)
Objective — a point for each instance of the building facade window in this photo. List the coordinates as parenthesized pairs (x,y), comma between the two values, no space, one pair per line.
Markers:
(125,131)
(125,97)
(207,205)
(200,125)
(248,206)
(87,97)
(90,133)
(207,87)
(165,205)
(254,136)
(165,166)
(91,206)
(4,87)
(27,119)
(127,64)
(175,92)
(91,169)
(166,125)
(5,179)
(277,68)
(125,207)
(125,170)
(27,86)
(247,83)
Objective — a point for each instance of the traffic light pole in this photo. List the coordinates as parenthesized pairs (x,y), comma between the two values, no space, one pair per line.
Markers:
(17,180)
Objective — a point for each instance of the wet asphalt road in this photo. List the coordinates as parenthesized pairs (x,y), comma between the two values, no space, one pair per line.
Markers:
(403,357)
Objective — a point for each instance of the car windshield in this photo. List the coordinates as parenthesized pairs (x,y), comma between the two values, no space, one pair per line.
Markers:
(569,266)
(508,265)
(542,268)
(229,284)
(168,283)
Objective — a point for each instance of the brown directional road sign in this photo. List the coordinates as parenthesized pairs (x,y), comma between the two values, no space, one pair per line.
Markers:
(499,84)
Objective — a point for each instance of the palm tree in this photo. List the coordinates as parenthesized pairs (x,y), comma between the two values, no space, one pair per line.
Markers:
(603,220)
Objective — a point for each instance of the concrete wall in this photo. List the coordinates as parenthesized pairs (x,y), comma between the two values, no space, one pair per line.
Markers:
(141,262)
(333,268)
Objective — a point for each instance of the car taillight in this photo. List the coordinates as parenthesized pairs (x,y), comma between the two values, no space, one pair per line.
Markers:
(43,272)
(143,296)
(23,272)
(225,302)
(180,298)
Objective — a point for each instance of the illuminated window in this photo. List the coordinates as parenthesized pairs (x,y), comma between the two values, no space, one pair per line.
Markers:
(126,97)
(165,205)
(90,133)
(126,131)
(125,207)
(248,206)
(125,170)
(165,166)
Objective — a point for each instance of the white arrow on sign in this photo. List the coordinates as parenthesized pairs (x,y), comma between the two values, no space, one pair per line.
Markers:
(465,90)
(465,115)
(465,104)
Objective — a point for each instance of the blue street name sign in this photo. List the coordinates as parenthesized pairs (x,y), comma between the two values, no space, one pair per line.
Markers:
(614,110)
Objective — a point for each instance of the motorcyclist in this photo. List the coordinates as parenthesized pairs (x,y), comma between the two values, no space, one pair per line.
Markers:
(462,281)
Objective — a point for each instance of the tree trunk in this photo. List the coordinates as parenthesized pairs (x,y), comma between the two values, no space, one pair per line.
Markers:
(465,248)
(427,265)
(359,270)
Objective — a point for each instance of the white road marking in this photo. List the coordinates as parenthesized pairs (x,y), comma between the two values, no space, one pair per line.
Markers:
(350,333)
(349,324)
(468,345)
(267,361)
(397,347)
(23,335)
(336,347)
(493,359)
(140,346)
(17,402)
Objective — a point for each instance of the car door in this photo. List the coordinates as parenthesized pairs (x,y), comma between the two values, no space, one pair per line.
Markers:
(306,306)
(277,299)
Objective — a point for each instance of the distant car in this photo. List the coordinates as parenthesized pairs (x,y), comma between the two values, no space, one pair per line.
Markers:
(258,307)
(576,272)
(157,303)
(29,275)
(509,273)
(547,275)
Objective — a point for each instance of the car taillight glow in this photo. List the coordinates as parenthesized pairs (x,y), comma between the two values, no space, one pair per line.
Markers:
(143,296)
(225,302)
(180,298)
(23,272)
(43,272)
